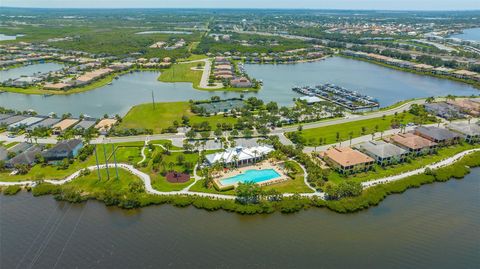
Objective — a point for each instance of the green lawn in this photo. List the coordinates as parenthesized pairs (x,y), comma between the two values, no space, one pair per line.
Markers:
(163,116)
(159,182)
(126,153)
(90,184)
(419,162)
(294,185)
(329,133)
(182,73)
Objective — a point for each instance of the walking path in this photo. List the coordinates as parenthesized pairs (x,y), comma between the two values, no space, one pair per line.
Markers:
(443,163)
(149,189)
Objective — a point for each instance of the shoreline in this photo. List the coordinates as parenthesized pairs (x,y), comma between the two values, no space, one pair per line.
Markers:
(456,166)
(474,84)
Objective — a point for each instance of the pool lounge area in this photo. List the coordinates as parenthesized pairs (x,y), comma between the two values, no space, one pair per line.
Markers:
(262,174)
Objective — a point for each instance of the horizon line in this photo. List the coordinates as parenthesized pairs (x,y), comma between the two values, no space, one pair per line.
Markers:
(249,8)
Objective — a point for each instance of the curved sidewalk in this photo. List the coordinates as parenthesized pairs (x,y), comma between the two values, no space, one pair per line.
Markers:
(149,189)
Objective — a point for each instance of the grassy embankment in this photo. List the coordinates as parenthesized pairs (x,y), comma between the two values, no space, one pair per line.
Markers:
(329,133)
(163,116)
(182,72)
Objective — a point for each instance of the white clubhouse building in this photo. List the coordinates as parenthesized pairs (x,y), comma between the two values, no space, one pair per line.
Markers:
(239,155)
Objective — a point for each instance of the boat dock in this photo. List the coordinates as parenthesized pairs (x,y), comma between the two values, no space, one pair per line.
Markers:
(346,98)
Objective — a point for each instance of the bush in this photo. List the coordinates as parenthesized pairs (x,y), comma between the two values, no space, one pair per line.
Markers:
(11,190)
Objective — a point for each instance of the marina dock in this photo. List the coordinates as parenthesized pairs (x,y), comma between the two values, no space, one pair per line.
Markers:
(351,100)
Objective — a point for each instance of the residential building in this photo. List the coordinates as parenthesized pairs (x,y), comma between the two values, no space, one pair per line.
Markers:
(47,123)
(466,106)
(242,82)
(384,153)
(85,124)
(105,125)
(63,150)
(444,110)
(471,132)
(25,122)
(347,160)
(438,135)
(11,120)
(63,125)
(28,157)
(414,144)
(239,156)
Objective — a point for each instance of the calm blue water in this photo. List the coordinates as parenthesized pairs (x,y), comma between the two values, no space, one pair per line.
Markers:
(255,176)
(388,85)
(29,70)
(469,34)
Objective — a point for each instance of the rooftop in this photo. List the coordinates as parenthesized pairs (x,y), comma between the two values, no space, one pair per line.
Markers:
(381,149)
(472,129)
(412,141)
(65,124)
(436,133)
(242,153)
(347,156)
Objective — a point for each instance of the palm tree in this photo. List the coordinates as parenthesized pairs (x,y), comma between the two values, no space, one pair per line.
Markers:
(430,99)
(255,152)
(235,159)
(350,135)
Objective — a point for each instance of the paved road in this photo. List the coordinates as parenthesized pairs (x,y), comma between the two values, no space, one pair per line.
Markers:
(278,131)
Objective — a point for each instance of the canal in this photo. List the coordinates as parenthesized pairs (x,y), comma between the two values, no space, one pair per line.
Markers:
(435,226)
(387,85)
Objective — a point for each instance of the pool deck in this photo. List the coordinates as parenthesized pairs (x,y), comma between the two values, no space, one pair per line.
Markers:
(259,166)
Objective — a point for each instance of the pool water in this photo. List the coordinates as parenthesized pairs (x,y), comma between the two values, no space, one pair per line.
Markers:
(255,176)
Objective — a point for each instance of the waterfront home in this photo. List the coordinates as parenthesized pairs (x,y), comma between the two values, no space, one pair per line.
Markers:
(26,122)
(56,86)
(414,144)
(90,76)
(63,150)
(242,82)
(347,160)
(105,125)
(27,157)
(85,124)
(423,67)
(63,125)
(239,156)
(384,153)
(47,123)
(224,67)
(464,74)
(444,110)
(5,116)
(470,131)
(466,106)
(11,120)
(438,135)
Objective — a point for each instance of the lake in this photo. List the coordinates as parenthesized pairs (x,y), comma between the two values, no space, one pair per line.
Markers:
(29,70)
(469,34)
(387,85)
(435,226)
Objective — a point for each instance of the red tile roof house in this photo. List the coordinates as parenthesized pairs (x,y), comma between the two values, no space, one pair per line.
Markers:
(347,160)
(241,83)
(416,145)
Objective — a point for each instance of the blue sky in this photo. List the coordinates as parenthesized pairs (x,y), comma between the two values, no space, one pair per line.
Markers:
(311,4)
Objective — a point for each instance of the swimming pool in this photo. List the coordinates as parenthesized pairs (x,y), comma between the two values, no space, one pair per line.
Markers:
(255,176)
